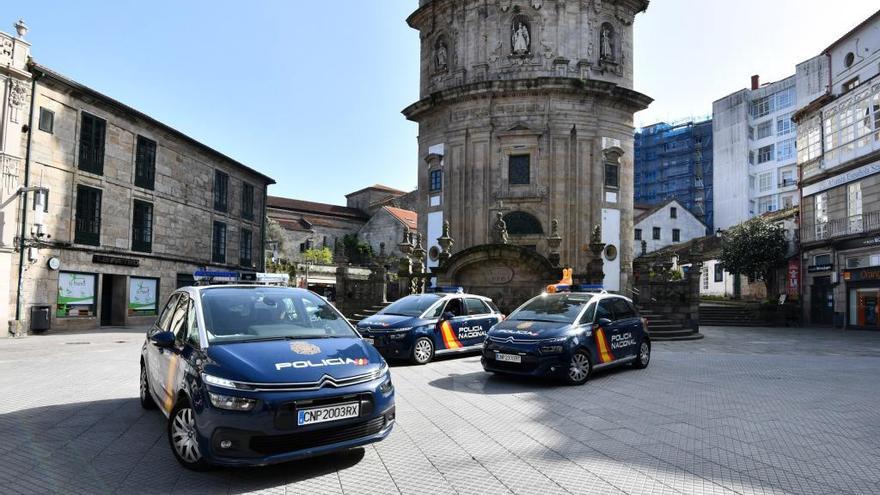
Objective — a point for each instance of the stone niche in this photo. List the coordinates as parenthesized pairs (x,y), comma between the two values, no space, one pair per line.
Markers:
(509,274)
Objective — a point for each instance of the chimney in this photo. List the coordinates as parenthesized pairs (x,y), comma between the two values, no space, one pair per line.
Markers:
(756,82)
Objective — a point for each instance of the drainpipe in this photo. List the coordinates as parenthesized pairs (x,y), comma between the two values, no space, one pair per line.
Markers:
(27,170)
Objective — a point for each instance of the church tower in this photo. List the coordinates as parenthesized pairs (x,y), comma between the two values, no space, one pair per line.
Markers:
(526,107)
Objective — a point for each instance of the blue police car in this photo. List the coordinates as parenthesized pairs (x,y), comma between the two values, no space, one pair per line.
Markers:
(420,326)
(254,375)
(568,335)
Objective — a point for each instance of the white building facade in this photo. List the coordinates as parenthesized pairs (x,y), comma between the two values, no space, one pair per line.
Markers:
(668,224)
(754,152)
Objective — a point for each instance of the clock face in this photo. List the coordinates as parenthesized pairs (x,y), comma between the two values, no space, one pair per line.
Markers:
(54,263)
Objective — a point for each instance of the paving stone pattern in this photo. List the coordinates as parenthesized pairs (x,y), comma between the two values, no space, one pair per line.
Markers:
(749,411)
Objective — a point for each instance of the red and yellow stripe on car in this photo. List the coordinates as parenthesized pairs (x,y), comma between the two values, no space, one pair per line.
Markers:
(168,403)
(605,355)
(450,340)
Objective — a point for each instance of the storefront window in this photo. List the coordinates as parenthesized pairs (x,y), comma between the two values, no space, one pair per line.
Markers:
(76,295)
(142,296)
(863,307)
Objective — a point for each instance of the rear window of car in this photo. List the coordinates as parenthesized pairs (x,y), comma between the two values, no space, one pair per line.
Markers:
(555,308)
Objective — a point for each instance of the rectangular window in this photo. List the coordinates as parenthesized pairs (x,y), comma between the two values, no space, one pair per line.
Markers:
(76,294)
(218,248)
(851,84)
(785,150)
(766,204)
(673,212)
(612,173)
(854,207)
(822,259)
(142,227)
(145,163)
(143,296)
(246,248)
(519,169)
(761,107)
(88,216)
(656,233)
(91,144)
(764,129)
(765,182)
(436,181)
(809,142)
(676,235)
(784,126)
(765,154)
(247,201)
(47,120)
(719,273)
(221,191)
(787,202)
(783,99)
(638,234)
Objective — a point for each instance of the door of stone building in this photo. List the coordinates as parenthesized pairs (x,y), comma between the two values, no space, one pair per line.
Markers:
(821,301)
(113,300)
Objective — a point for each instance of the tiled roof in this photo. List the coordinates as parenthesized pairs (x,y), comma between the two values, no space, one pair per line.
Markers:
(301,206)
(408,217)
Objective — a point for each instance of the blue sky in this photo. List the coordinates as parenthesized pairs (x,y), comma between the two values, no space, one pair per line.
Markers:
(310,92)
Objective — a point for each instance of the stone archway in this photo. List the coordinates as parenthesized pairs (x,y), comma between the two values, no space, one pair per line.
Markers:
(509,274)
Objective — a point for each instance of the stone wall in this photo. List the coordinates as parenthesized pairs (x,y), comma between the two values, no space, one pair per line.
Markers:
(676,300)
(182,200)
(359,288)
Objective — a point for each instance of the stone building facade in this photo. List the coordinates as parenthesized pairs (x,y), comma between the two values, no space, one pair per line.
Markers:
(134,208)
(526,107)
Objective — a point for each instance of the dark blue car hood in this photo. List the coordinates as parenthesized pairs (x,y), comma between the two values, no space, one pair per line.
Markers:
(288,361)
(529,329)
(390,322)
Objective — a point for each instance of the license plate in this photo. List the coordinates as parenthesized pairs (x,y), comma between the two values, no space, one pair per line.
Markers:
(369,340)
(508,358)
(324,414)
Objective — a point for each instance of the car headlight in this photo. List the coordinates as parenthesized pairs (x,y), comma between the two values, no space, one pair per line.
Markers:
(223,382)
(231,403)
(553,346)
(386,385)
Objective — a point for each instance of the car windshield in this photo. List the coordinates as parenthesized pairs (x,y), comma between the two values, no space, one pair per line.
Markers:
(241,314)
(556,308)
(413,305)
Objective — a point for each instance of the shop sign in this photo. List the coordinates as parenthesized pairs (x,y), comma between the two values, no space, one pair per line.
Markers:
(862,274)
(142,296)
(794,278)
(115,260)
(844,178)
(860,242)
(76,294)
(820,268)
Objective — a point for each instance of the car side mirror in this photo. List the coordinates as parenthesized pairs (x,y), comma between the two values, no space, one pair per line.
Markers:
(603,322)
(163,340)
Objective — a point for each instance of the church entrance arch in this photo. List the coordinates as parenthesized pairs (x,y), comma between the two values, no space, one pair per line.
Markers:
(507,273)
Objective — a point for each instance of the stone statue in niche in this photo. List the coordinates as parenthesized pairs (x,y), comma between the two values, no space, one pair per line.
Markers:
(442,56)
(499,230)
(521,39)
(606,39)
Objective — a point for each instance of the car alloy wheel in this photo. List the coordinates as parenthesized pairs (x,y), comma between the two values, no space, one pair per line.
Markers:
(423,350)
(184,437)
(644,355)
(579,368)
(147,401)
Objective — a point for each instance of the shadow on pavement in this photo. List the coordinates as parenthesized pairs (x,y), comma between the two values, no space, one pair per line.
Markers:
(114,445)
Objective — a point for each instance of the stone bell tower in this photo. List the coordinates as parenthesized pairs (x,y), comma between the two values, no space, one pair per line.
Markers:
(526,108)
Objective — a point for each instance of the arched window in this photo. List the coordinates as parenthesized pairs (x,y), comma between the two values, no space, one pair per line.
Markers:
(522,223)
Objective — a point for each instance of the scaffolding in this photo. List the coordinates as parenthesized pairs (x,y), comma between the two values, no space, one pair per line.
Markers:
(674,161)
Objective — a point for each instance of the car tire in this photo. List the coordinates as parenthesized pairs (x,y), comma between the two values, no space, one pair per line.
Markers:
(146,397)
(643,358)
(580,367)
(183,437)
(423,351)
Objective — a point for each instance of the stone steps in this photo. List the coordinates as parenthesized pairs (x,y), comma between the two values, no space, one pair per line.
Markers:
(663,328)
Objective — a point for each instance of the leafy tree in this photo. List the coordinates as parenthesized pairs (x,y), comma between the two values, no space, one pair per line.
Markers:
(357,252)
(755,248)
(322,256)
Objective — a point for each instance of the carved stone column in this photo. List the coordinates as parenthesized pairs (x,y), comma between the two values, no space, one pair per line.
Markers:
(446,242)
(595,270)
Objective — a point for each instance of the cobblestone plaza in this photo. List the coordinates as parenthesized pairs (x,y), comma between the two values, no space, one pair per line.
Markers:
(742,411)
